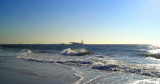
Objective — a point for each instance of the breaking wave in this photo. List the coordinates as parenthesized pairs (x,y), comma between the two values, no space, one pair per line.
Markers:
(157,56)
(153,51)
(25,52)
(142,69)
(78,52)
(94,62)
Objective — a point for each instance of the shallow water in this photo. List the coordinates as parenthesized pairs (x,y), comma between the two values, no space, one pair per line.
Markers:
(109,64)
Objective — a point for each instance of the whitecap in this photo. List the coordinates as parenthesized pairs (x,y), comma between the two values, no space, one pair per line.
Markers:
(76,52)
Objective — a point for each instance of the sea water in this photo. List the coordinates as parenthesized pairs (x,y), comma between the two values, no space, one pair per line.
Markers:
(79,64)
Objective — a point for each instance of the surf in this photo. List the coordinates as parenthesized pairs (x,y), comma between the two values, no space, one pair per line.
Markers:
(96,62)
(157,56)
(77,52)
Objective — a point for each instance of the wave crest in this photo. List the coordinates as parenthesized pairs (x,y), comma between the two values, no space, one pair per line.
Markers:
(78,52)
(157,56)
(25,52)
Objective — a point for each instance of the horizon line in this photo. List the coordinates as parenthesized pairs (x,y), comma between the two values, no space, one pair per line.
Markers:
(69,44)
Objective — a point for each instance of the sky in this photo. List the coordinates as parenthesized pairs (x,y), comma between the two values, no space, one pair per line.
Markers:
(93,21)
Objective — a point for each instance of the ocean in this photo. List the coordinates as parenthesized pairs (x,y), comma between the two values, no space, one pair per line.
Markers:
(79,64)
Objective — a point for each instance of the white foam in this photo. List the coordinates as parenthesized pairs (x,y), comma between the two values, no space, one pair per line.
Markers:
(152,58)
(23,54)
(96,62)
(146,81)
(154,51)
(26,51)
(86,75)
(76,52)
